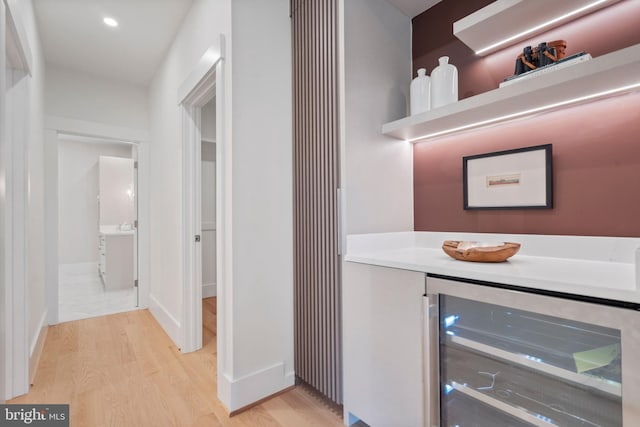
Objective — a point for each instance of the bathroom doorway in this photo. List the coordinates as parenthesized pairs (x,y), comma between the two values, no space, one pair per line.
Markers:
(97,227)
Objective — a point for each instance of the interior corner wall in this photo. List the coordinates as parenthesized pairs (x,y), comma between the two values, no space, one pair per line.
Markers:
(262,202)
(376,171)
(596,157)
(200,29)
(77,95)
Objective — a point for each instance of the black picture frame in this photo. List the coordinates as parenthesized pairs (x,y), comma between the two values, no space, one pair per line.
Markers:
(521,178)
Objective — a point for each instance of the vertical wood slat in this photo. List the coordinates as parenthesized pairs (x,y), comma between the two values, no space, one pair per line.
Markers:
(317,324)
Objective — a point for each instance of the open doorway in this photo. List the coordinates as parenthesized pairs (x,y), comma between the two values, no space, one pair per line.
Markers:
(208,223)
(97,227)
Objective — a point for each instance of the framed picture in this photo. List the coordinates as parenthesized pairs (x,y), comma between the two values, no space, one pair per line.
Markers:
(512,179)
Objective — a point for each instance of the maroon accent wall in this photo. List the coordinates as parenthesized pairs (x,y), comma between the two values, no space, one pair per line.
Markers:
(596,146)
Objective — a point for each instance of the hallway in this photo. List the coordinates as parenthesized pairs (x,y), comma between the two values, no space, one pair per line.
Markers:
(123,370)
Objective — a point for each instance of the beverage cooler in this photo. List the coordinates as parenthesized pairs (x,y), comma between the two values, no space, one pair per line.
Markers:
(501,357)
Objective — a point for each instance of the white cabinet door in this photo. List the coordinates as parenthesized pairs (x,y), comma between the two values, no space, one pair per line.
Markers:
(382,339)
(117,255)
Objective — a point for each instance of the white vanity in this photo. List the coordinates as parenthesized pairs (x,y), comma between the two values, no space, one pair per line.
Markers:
(116,256)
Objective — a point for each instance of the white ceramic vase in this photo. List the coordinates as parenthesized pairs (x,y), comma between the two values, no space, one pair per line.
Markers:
(420,93)
(444,83)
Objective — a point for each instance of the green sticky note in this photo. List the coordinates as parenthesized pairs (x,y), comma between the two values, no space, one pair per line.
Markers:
(596,358)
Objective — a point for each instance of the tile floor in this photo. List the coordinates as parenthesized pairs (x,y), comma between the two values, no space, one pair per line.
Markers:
(82,294)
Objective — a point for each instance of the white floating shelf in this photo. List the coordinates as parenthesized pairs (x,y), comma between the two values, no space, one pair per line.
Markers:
(506,22)
(607,75)
(413,8)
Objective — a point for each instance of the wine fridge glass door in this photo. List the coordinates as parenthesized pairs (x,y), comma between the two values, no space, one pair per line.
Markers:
(520,359)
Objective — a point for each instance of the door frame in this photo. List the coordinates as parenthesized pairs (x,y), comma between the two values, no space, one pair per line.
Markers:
(55,125)
(15,68)
(204,82)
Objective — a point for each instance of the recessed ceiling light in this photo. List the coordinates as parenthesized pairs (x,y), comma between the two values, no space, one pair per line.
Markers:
(110,22)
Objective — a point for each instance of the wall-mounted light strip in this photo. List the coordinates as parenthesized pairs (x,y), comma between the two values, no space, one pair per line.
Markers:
(547,107)
(540,26)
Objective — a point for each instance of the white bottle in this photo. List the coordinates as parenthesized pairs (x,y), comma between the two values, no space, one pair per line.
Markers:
(444,82)
(420,92)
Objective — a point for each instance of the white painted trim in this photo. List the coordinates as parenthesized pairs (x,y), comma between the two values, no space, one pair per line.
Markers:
(198,88)
(93,129)
(169,323)
(190,91)
(224,257)
(37,345)
(15,146)
(208,290)
(257,385)
(18,49)
(51,224)
(144,215)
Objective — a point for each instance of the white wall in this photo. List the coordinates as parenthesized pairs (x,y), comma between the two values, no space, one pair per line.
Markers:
(262,188)
(72,94)
(376,171)
(377,75)
(200,29)
(77,195)
(256,357)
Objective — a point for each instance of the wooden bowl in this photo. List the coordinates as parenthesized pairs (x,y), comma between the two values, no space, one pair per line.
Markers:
(479,251)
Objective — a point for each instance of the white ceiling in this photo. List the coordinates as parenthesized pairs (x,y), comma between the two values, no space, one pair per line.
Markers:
(73,35)
(412,8)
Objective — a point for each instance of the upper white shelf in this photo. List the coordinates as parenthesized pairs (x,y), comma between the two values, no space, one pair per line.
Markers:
(606,75)
(506,22)
(413,8)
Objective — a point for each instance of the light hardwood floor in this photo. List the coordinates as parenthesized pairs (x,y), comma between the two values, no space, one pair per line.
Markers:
(123,370)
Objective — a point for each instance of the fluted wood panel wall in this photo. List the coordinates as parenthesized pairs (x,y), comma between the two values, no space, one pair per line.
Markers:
(318,354)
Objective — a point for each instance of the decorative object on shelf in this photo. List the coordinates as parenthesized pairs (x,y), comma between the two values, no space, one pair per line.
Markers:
(444,83)
(554,66)
(546,56)
(540,56)
(511,179)
(480,251)
(420,92)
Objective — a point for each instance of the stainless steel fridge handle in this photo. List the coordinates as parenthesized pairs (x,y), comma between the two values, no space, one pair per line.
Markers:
(431,361)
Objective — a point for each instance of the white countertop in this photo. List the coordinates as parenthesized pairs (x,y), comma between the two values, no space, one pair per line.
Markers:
(114,230)
(602,267)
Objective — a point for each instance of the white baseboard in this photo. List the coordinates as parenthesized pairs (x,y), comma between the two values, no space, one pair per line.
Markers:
(209,290)
(37,345)
(169,323)
(244,391)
